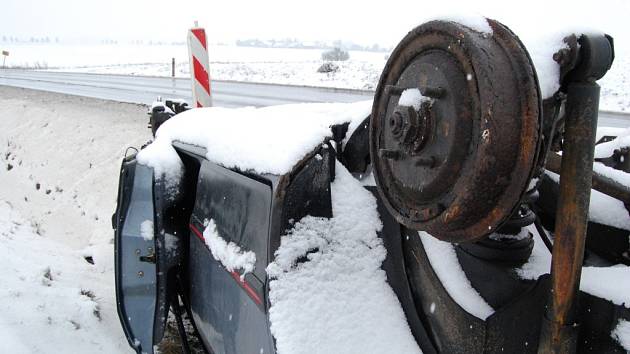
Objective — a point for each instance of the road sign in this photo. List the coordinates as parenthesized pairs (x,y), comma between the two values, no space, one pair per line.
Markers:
(199,67)
(5,53)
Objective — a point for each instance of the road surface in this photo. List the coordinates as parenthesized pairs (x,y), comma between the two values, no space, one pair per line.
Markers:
(144,89)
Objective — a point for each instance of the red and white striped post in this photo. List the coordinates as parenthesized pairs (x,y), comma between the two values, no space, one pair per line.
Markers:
(199,66)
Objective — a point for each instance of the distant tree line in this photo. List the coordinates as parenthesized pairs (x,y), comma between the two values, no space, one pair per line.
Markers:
(13,39)
(295,43)
(107,41)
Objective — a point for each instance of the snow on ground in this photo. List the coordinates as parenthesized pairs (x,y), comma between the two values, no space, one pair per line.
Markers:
(51,299)
(59,175)
(229,254)
(607,131)
(271,139)
(331,270)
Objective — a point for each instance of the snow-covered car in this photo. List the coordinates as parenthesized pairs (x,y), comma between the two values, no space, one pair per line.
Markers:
(409,224)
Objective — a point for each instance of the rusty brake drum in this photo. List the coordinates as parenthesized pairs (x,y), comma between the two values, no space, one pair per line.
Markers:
(457,160)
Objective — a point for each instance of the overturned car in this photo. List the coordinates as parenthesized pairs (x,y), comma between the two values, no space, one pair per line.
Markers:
(451,214)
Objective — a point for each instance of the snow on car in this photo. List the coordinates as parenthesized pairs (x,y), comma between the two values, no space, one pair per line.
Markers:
(283,245)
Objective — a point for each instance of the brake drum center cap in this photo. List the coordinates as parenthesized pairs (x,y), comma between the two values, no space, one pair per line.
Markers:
(410,127)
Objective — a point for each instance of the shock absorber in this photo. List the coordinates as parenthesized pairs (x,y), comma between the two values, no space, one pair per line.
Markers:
(560,326)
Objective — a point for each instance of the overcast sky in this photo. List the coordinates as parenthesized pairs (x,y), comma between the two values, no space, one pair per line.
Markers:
(366,22)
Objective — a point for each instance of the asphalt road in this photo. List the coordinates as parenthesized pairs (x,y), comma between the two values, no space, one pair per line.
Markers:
(144,89)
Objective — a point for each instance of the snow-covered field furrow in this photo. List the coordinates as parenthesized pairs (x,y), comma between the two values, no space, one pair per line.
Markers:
(60,163)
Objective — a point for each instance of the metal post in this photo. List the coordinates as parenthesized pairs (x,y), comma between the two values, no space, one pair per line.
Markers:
(173,67)
(560,330)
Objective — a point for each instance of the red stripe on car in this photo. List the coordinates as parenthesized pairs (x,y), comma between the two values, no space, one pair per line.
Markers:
(248,289)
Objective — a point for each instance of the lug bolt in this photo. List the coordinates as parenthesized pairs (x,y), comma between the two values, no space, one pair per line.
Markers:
(140,274)
(432,92)
(394,90)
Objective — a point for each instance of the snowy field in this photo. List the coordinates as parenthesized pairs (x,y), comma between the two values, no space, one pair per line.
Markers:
(59,181)
(268,65)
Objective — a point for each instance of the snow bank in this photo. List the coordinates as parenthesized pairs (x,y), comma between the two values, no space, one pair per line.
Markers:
(50,299)
(621,334)
(328,291)
(229,254)
(266,140)
(603,282)
(444,262)
(72,152)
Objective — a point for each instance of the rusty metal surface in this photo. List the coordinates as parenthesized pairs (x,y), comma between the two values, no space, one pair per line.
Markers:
(571,216)
(560,334)
(458,166)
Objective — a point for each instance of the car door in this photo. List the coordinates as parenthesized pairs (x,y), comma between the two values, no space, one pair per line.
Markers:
(230,310)
(135,266)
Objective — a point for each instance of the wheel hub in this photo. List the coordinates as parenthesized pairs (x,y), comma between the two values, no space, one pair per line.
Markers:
(457,163)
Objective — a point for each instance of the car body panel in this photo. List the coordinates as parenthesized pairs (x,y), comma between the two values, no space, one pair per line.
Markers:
(229,310)
(136,278)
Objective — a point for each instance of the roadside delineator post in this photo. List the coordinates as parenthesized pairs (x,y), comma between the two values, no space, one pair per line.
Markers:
(5,54)
(199,67)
